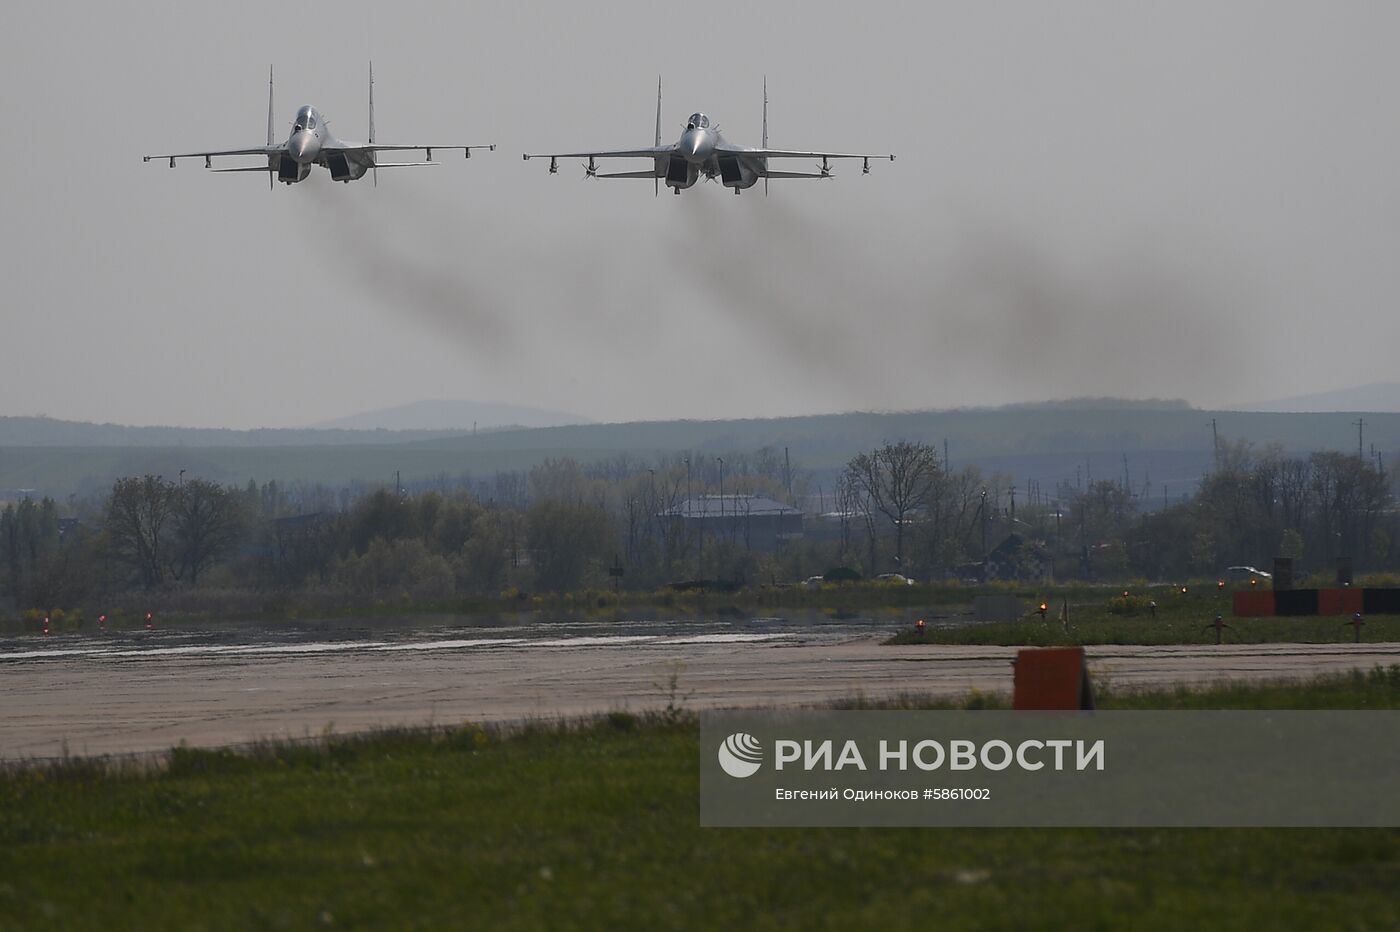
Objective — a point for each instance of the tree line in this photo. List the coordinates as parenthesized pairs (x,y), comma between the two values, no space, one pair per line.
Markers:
(566,526)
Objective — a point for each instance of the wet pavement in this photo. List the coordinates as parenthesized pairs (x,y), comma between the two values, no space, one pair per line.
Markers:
(139,691)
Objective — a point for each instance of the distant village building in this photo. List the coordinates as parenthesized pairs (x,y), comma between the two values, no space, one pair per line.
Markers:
(1014,559)
(750,521)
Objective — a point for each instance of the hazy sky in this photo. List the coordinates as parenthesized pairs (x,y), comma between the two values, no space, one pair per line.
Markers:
(1194,200)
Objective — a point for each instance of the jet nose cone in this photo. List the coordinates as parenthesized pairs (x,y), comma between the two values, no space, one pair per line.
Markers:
(696,146)
(304,146)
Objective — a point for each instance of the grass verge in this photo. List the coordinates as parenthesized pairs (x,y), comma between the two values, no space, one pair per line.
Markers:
(1189,623)
(595,825)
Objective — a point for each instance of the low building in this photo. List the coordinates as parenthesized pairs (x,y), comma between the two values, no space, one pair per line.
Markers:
(750,521)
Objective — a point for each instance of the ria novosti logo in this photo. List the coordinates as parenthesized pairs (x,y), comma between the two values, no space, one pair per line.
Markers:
(740,755)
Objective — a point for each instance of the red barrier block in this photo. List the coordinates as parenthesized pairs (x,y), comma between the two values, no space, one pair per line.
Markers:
(1052,678)
(1253,604)
(1340,601)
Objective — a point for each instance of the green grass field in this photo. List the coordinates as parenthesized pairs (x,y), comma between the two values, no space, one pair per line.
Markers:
(1104,616)
(1090,631)
(596,826)
(1098,614)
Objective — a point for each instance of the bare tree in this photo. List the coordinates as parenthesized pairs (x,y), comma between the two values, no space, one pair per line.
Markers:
(208,521)
(138,518)
(897,478)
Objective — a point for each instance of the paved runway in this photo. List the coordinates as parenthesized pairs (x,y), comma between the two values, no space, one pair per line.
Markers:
(140,701)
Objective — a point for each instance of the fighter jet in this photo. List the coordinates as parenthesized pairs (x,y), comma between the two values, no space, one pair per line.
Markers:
(312,143)
(701,150)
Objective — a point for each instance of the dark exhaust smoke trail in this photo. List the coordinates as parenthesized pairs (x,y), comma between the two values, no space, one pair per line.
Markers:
(911,307)
(926,310)
(425,268)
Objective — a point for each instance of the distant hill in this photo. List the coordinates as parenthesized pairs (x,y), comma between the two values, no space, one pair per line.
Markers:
(1163,449)
(1100,404)
(51,432)
(1378,396)
(453,416)
(972,436)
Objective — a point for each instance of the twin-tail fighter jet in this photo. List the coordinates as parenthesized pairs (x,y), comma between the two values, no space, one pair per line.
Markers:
(701,150)
(312,143)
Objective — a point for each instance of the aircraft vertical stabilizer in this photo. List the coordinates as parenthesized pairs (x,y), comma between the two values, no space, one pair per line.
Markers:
(269,105)
(374,171)
(765,128)
(656,182)
(270,184)
(765,111)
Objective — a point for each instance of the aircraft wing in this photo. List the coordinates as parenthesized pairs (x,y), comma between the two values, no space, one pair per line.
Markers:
(651,152)
(372,147)
(256,150)
(796,154)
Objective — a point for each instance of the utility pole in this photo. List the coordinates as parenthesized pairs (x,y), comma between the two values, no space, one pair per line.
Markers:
(1215,443)
(1083,543)
(787,473)
(720,460)
(1360,435)
(699,550)
(983,509)
(653,506)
